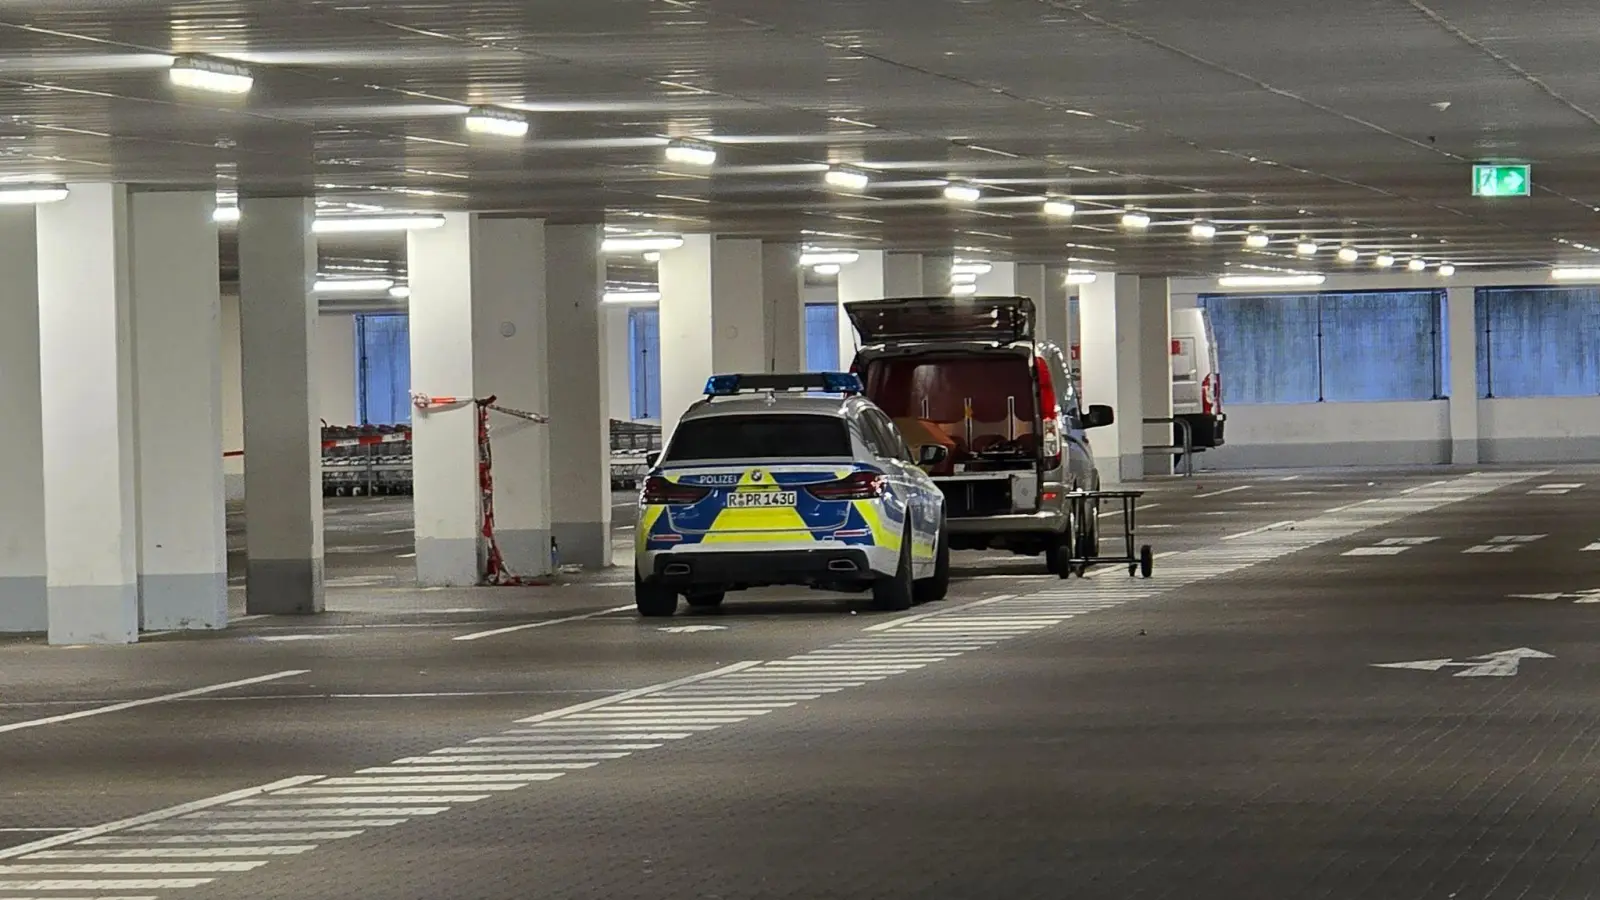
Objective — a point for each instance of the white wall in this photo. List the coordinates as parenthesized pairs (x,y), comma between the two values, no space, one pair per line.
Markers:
(1539,429)
(232,398)
(1333,434)
(619,394)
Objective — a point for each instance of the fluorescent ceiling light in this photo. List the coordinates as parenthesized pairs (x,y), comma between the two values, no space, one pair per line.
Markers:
(1446,270)
(21,195)
(652,256)
(641,243)
(225,214)
(210,75)
(848,178)
(826,269)
(400,292)
(1271,280)
(1416,264)
(963,290)
(1062,209)
(962,193)
(353,285)
(1575,274)
(1306,248)
(1203,231)
(373,224)
(1257,240)
(828,257)
(498,122)
(693,153)
(1384,260)
(1078,276)
(1349,254)
(971,268)
(963,278)
(631,298)
(1135,220)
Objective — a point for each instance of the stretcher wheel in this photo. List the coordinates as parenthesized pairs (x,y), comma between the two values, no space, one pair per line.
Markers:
(1147,561)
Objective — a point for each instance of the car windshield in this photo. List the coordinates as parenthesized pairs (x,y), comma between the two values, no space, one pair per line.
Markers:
(761,436)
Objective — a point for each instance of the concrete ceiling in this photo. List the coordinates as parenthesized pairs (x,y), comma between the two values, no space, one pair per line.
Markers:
(1300,117)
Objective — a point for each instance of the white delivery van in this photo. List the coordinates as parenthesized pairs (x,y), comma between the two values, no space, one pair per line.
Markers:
(1196,379)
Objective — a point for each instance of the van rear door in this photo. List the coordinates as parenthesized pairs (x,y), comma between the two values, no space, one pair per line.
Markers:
(997,320)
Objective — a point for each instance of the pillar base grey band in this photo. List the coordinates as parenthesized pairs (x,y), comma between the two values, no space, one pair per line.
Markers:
(24,605)
(94,614)
(586,543)
(183,602)
(283,587)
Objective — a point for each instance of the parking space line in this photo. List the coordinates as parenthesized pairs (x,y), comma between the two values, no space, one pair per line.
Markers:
(147,701)
(480,635)
(906,620)
(1242,487)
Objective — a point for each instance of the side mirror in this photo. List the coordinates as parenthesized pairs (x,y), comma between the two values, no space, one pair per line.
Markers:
(651,458)
(1098,416)
(932,454)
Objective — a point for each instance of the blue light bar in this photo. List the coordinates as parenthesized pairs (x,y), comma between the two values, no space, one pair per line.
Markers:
(824,382)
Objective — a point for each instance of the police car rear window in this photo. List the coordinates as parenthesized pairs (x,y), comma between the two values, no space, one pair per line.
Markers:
(759,437)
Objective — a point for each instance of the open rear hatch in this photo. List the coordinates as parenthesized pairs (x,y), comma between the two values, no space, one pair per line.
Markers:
(999,320)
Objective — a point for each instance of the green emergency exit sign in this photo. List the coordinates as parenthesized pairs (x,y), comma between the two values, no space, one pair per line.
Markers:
(1490,180)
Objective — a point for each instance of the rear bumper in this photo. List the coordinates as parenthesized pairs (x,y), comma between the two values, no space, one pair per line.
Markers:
(1043,522)
(759,568)
(1208,429)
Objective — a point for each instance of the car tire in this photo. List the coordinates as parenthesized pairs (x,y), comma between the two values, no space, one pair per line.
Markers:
(934,588)
(1088,537)
(894,593)
(706,599)
(653,600)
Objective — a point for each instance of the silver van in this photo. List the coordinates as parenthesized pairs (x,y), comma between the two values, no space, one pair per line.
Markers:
(969,374)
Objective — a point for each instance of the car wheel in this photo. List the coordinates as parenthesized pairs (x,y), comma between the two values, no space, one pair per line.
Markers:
(894,592)
(706,599)
(653,600)
(1088,534)
(935,587)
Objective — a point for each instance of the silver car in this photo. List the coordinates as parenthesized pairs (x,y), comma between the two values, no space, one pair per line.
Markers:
(969,374)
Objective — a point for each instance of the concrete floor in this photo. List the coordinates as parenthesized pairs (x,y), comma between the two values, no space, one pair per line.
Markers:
(1221,730)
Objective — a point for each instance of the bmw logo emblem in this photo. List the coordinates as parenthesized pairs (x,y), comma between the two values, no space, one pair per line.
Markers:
(755,475)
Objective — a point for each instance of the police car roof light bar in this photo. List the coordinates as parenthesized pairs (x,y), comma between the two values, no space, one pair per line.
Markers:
(825,382)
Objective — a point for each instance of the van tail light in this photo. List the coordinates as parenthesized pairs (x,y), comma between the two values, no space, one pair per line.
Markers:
(1049,413)
(857,486)
(1208,395)
(658,491)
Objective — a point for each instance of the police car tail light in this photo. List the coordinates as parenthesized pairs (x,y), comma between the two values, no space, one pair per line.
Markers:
(860,486)
(660,492)
(1049,412)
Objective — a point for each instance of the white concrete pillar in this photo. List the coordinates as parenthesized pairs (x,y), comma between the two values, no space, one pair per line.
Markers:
(232,399)
(902,276)
(23,598)
(478,328)
(282,435)
(1461,308)
(336,369)
(936,274)
(580,444)
(87,396)
(1030,284)
(1109,318)
(177,328)
(1155,370)
(712,317)
(783,297)
(999,281)
(1056,326)
(863,279)
(619,386)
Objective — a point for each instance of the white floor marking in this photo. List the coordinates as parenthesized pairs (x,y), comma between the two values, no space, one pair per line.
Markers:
(1589,596)
(1505,543)
(147,701)
(172,853)
(1592,547)
(312,810)
(1118,511)
(1290,478)
(102,884)
(171,812)
(35,830)
(1242,487)
(1554,489)
(1502,664)
(480,635)
(174,868)
(1390,546)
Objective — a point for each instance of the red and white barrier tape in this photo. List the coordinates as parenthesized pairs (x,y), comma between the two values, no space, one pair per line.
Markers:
(495,569)
(365,440)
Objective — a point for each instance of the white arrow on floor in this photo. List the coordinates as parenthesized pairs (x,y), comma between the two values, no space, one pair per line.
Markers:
(1501,664)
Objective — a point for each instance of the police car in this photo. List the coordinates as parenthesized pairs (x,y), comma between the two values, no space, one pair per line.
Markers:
(789,480)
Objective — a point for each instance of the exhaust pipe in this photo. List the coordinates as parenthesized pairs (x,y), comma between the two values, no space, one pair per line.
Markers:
(841,565)
(675,569)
